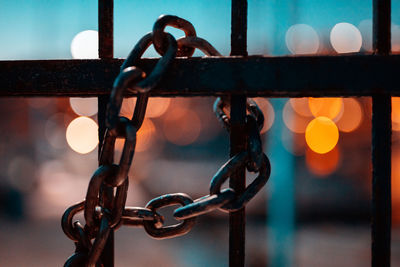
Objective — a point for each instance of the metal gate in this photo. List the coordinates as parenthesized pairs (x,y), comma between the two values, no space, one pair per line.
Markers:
(248,76)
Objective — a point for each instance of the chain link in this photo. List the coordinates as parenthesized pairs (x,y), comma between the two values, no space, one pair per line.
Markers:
(104,206)
(176,22)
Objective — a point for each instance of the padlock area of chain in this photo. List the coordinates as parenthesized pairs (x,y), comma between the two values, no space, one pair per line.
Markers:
(104,206)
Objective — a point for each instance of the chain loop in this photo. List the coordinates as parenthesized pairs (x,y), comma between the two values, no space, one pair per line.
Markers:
(127,77)
(251,190)
(173,230)
(126,130)
(67,224)
(251,106)
(135,216)
(205,204)
(199,43)
(176,22)
(93,197)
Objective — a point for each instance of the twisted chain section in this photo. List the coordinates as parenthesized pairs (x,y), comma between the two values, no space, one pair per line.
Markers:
(104,206)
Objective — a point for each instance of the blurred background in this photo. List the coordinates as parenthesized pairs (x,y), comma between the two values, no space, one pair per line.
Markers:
(314,211)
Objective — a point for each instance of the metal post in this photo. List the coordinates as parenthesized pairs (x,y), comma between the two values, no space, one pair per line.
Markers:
(237,220)
(106,51)
(381,144)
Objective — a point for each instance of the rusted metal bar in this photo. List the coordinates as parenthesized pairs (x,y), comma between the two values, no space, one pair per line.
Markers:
(106,53)
(381,144)
(253,75)
(237,219)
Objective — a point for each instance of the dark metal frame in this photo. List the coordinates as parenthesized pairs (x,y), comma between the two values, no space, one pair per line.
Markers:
(241,76)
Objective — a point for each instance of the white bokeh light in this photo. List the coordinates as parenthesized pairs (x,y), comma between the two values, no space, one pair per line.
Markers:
(346,38)
(302,39)
(85,45)
(365,28)
(84,106)
(82,135)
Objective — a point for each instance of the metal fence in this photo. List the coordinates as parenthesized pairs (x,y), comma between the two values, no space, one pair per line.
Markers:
(372,75)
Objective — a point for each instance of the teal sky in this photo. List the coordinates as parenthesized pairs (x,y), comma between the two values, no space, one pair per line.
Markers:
(43,29)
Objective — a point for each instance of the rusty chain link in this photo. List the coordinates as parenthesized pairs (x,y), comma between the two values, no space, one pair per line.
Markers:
(104,206)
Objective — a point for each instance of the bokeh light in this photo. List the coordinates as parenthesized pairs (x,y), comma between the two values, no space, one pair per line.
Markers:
(351,117)
(345,38)
(85,45)
(82,135)
(293,121)
(396,113)
(269,113)
(127,107)
(322,135)
(300,105)
(181,126)
(145,136)
(84,106)
(322,164)
(325,106)
(302,39)
(59,185)
(156,107)
(365,28)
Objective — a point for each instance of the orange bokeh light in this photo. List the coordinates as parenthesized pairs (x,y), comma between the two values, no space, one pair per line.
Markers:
(145,136)
(322,164)
(293,121)
(325,106)
(352,115)
(181,126)
(300,105)
(322,135)
(396,113)
(268,111)
(156,107)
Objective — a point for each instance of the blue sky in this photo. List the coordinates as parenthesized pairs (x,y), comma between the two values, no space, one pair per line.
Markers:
(43,29)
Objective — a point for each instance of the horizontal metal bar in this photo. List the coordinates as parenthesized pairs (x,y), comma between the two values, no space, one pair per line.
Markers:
(350,75)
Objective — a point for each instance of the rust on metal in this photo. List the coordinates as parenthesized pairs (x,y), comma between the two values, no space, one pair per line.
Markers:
(106,52)
(173,230)
(237,181)
(258,76)
(159,35)
(381,143)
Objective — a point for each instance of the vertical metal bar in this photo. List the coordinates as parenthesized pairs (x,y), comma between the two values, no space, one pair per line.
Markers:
(239,28)
(106,51)
(237,220)
(381,144)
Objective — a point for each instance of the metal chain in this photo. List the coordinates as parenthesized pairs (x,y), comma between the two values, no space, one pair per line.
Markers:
(104,206)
